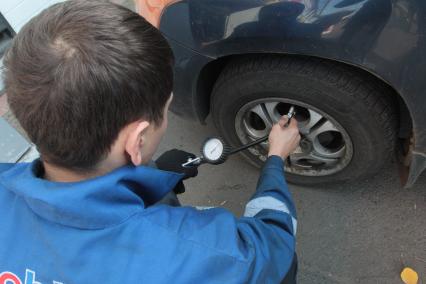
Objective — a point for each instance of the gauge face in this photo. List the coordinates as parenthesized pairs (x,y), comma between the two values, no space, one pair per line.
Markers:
(213,149)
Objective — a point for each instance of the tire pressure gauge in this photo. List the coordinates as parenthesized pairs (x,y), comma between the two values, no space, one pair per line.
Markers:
(214,150)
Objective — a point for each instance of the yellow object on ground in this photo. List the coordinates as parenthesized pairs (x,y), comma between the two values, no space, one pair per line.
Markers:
(409,276)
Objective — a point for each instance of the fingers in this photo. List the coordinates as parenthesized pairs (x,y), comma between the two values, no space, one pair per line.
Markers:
(293,123)
(298,138)
(283,120)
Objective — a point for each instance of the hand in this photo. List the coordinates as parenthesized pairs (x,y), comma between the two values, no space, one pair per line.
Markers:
(283,140)
(172,161)
(179,188)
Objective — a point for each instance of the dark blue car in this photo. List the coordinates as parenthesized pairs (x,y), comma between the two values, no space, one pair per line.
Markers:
(354,69)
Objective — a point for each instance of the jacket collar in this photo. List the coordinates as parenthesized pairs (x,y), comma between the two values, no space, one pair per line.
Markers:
(91,204)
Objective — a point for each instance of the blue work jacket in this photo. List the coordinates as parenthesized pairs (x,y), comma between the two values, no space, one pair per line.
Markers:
(100,231)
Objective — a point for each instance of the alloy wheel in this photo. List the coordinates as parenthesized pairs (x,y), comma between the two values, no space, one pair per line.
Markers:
(325,147)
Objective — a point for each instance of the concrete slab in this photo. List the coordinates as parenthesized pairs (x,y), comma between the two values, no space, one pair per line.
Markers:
(12,145)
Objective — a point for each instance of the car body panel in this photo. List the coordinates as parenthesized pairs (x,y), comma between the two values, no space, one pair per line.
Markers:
(384,37)
(188,65)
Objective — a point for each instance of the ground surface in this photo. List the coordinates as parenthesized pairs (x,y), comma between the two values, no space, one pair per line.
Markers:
(361,232)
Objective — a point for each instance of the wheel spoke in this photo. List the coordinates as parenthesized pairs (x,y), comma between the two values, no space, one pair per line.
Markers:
(261,111)
(325,160)
(271,109)
(327,153)
(314,118)
(320,128)
(252,133)
(296,159)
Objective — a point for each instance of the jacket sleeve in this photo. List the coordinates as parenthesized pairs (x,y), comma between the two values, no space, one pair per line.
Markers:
(268,228)
(272,193)
(215,245)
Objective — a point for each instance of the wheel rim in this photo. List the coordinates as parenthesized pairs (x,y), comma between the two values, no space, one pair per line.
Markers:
(325,146)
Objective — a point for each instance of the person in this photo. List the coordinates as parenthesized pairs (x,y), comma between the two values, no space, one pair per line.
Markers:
(91,82)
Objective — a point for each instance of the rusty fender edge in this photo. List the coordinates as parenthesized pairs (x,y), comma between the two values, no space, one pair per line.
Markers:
(417,166)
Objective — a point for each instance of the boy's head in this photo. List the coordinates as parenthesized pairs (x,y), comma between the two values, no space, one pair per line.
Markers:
(84,76)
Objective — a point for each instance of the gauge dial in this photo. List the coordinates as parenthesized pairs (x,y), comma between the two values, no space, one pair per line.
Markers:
(213,149)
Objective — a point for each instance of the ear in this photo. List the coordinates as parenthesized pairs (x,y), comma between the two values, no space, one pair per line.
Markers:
(135,141)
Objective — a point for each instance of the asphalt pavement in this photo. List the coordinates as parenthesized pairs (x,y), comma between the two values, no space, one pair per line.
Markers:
(359,232)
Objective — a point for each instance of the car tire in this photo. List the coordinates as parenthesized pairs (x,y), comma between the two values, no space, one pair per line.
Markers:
(358,102)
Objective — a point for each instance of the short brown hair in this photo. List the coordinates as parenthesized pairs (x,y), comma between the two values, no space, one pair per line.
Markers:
(79,72)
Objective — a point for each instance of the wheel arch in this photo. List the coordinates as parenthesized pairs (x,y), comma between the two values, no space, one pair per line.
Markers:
(212,70)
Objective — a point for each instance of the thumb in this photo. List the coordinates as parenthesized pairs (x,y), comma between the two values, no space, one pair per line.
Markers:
(283,120)
(293,123)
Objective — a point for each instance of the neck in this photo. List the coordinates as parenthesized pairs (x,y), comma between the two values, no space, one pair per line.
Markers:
(59,174)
